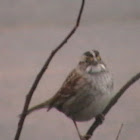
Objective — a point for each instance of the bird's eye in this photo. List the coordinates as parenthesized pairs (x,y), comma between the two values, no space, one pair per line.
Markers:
(88,57)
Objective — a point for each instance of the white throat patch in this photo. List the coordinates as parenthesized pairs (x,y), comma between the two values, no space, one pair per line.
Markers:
(95,69)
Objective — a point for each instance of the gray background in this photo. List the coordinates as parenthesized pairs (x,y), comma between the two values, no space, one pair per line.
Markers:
(30,29)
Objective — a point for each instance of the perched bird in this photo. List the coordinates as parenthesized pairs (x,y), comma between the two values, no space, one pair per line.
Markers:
(86,91)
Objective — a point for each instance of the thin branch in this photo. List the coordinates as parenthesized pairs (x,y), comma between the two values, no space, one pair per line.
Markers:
(117,138)
(111,104)
(44,68)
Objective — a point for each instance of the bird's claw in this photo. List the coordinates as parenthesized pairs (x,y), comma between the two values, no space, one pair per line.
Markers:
(86,137)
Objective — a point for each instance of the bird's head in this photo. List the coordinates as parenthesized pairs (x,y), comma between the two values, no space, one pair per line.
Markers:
(91,62)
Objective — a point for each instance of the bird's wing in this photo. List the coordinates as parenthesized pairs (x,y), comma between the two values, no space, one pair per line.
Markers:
(68,89)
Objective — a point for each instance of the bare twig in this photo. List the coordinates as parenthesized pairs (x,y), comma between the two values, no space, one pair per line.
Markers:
(44,68)
(112,103)
(117,138)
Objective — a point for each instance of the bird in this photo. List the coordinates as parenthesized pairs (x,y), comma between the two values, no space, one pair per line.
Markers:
(85,93)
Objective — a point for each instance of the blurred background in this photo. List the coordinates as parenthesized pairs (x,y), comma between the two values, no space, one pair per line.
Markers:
(31,29)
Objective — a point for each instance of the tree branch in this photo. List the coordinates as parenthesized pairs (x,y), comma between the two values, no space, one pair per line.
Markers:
(111,104)
(44,68)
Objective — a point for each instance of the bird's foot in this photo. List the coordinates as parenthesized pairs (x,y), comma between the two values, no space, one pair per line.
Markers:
(86,137)
(100,118)
(22,114)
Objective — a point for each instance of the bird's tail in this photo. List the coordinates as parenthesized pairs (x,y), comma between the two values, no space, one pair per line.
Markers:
(39,106)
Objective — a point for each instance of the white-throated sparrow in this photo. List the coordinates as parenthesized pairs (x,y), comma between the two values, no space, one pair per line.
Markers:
(86,91)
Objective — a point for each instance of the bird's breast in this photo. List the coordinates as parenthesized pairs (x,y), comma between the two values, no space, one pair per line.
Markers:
(91,98)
